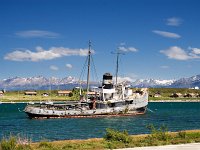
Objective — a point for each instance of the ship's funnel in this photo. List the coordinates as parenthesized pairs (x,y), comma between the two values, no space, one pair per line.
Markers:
(107,81)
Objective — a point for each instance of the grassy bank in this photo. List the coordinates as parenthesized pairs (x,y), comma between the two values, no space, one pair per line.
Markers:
(112,139)
(160,94)
(19,96)
(164,95)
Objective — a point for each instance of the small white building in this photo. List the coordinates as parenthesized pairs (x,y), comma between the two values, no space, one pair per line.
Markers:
(196,88)
(64,93)
(30,93)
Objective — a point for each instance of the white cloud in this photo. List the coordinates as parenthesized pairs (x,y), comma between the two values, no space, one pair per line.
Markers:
(69,66)
(178,53)
(195,50)
(123,79)
(167,34)
(36,34)
(52,67)
(174,21)
(42,54)
(127,49)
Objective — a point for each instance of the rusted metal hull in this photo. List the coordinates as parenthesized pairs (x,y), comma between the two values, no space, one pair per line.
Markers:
(140,111)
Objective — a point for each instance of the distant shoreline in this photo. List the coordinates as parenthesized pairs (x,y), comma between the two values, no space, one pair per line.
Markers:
(189,100)
(16,102)
(150,101)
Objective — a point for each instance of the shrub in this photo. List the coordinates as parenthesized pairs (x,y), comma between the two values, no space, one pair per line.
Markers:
(114,135)
(181,134)
(158,134)
(111,145)
(70,94)
(13,143)
(9,144)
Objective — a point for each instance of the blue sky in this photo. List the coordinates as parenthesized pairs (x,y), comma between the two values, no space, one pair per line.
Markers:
(160,38)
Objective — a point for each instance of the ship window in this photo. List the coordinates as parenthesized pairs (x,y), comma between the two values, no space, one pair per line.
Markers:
(129,102)
(117,104)
(112,104)
(102,106)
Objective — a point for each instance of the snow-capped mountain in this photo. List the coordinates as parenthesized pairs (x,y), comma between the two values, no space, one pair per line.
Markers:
(40,82)
(152,83)
(187,82)
(190,82)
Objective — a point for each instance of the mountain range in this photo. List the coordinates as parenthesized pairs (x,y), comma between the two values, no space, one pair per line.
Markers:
(42,83)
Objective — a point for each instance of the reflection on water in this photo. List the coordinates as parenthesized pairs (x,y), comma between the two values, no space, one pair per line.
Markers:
(176,116)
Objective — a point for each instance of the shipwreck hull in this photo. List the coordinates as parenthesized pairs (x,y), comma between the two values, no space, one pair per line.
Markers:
(128,107)
(138,111)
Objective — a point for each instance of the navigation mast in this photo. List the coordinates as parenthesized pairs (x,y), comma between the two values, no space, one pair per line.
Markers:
(88,70)
(117,63)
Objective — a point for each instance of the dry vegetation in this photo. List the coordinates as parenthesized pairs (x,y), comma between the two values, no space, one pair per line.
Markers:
(165,93)
(19,96)
(112,139)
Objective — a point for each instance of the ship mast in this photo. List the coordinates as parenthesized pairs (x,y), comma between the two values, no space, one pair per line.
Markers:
(88,70)
(117,65)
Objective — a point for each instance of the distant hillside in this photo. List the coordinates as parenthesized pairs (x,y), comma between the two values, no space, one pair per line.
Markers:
(42,83)
(152,83)
(190,82)
(187,82)
(38,83)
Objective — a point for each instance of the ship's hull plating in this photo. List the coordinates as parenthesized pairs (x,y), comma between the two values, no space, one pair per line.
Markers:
(45,116)
(138,106)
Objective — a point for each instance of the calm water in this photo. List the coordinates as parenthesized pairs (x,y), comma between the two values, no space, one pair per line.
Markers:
(176,116)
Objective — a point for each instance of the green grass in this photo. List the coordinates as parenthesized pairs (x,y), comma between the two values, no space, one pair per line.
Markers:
(166,92)
(18,96)
(120,139)
(13,143)
(112,139)
(172,99)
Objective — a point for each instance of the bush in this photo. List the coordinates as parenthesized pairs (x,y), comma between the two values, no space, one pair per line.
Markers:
(70,94)
(9,144)
(114,135)
(193,135)
(181,134)
(158,134)
(13,144)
